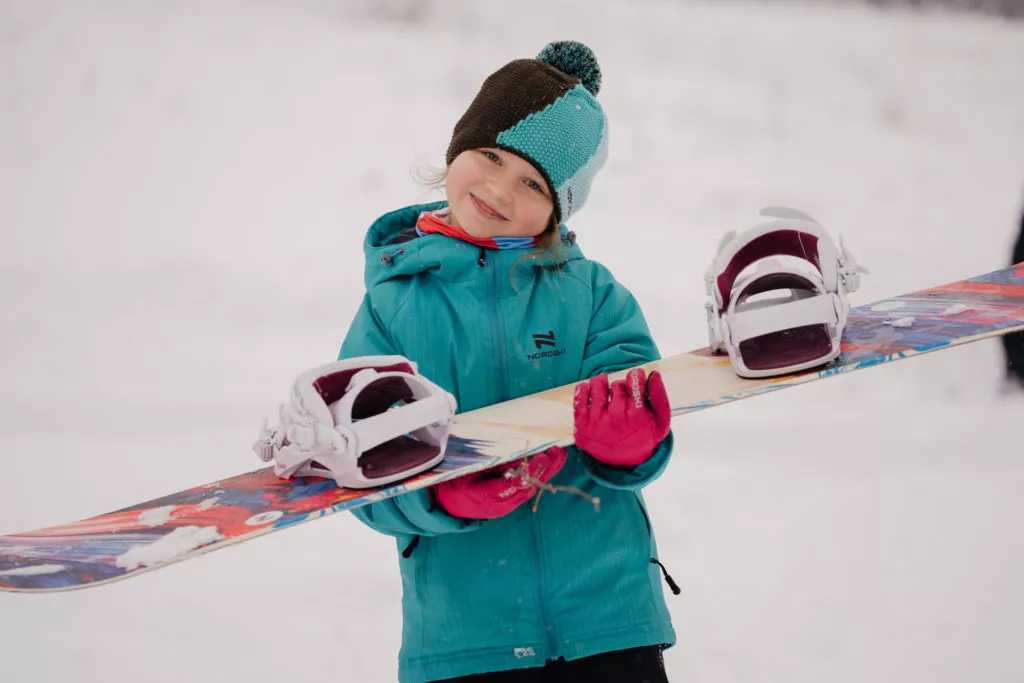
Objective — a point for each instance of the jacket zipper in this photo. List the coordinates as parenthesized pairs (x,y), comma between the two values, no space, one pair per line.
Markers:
(497,324)
(542,591)
(501,356)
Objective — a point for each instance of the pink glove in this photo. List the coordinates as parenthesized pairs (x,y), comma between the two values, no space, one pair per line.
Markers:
(622,424)
(494,493)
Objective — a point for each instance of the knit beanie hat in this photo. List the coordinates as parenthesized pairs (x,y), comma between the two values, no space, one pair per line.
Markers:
(544,110)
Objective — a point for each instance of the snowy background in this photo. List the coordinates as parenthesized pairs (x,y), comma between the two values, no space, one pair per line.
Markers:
(184,188)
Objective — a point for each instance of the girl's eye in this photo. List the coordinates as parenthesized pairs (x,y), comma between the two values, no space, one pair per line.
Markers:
(492,156)
(534,185)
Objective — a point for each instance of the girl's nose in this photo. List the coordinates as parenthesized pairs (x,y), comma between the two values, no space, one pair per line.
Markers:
(499,189)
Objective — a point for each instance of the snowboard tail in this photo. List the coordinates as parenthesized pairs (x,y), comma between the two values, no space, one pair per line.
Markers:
(156,533)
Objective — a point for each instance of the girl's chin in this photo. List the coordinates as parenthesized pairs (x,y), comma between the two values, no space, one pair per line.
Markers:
(477,234)
(475,231)
(472,227)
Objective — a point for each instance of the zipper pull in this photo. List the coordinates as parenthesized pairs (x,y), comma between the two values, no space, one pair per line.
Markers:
(482,259)
(668,579)
(407,553)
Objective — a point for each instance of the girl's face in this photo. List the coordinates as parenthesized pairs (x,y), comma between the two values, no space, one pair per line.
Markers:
(494,193)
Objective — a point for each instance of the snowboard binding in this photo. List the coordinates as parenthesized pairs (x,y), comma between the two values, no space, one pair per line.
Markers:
(363,422)
(775,316)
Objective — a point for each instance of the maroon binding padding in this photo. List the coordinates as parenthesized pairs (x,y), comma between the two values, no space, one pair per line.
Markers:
(777,243)
(332,387)
(788,347)
(775,281)
(395,456)
(380,395)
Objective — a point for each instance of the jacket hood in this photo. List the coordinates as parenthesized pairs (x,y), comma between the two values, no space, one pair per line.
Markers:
(445,257)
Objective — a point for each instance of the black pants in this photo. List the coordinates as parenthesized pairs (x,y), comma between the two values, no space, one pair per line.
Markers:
(639,665)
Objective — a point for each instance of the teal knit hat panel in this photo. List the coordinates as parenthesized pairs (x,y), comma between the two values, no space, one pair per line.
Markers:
(568,140)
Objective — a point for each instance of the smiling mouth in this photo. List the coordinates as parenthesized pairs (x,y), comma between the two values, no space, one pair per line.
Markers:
(485,210)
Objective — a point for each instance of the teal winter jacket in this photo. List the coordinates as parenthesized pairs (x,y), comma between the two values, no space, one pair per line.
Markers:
(564,581)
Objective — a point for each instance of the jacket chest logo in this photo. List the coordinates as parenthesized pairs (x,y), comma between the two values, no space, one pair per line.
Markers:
(546,346)
(544,339)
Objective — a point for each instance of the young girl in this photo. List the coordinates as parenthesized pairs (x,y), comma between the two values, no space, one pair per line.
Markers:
(489,293)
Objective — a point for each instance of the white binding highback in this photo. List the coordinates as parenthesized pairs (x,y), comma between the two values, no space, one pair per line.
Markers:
(749,263)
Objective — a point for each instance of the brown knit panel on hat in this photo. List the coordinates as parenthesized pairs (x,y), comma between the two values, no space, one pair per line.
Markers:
(508,96)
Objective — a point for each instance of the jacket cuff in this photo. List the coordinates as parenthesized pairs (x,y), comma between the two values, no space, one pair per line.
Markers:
(629,478)
(412,513)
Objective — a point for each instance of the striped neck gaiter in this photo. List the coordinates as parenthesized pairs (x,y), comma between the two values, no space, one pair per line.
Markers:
(436,223)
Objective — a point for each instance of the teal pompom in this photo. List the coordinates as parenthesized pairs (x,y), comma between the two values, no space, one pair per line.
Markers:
(574,59)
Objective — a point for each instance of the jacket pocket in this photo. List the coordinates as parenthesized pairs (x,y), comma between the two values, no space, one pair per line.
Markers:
(673,586)
(647,524)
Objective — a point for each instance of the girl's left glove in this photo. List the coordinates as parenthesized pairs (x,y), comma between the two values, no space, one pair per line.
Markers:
(622,423)
(497,491)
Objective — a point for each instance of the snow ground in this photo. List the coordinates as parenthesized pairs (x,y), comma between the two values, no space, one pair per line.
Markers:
(183,192)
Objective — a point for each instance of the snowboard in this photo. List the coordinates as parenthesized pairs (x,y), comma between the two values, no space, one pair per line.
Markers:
(156,533)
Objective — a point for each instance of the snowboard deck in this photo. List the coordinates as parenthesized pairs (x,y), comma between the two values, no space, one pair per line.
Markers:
(136,539)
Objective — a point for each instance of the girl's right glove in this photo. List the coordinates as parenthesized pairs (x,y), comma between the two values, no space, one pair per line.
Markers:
(499,490)
(621,424)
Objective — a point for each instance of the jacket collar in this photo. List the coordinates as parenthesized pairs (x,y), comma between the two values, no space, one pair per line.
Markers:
(445,257)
